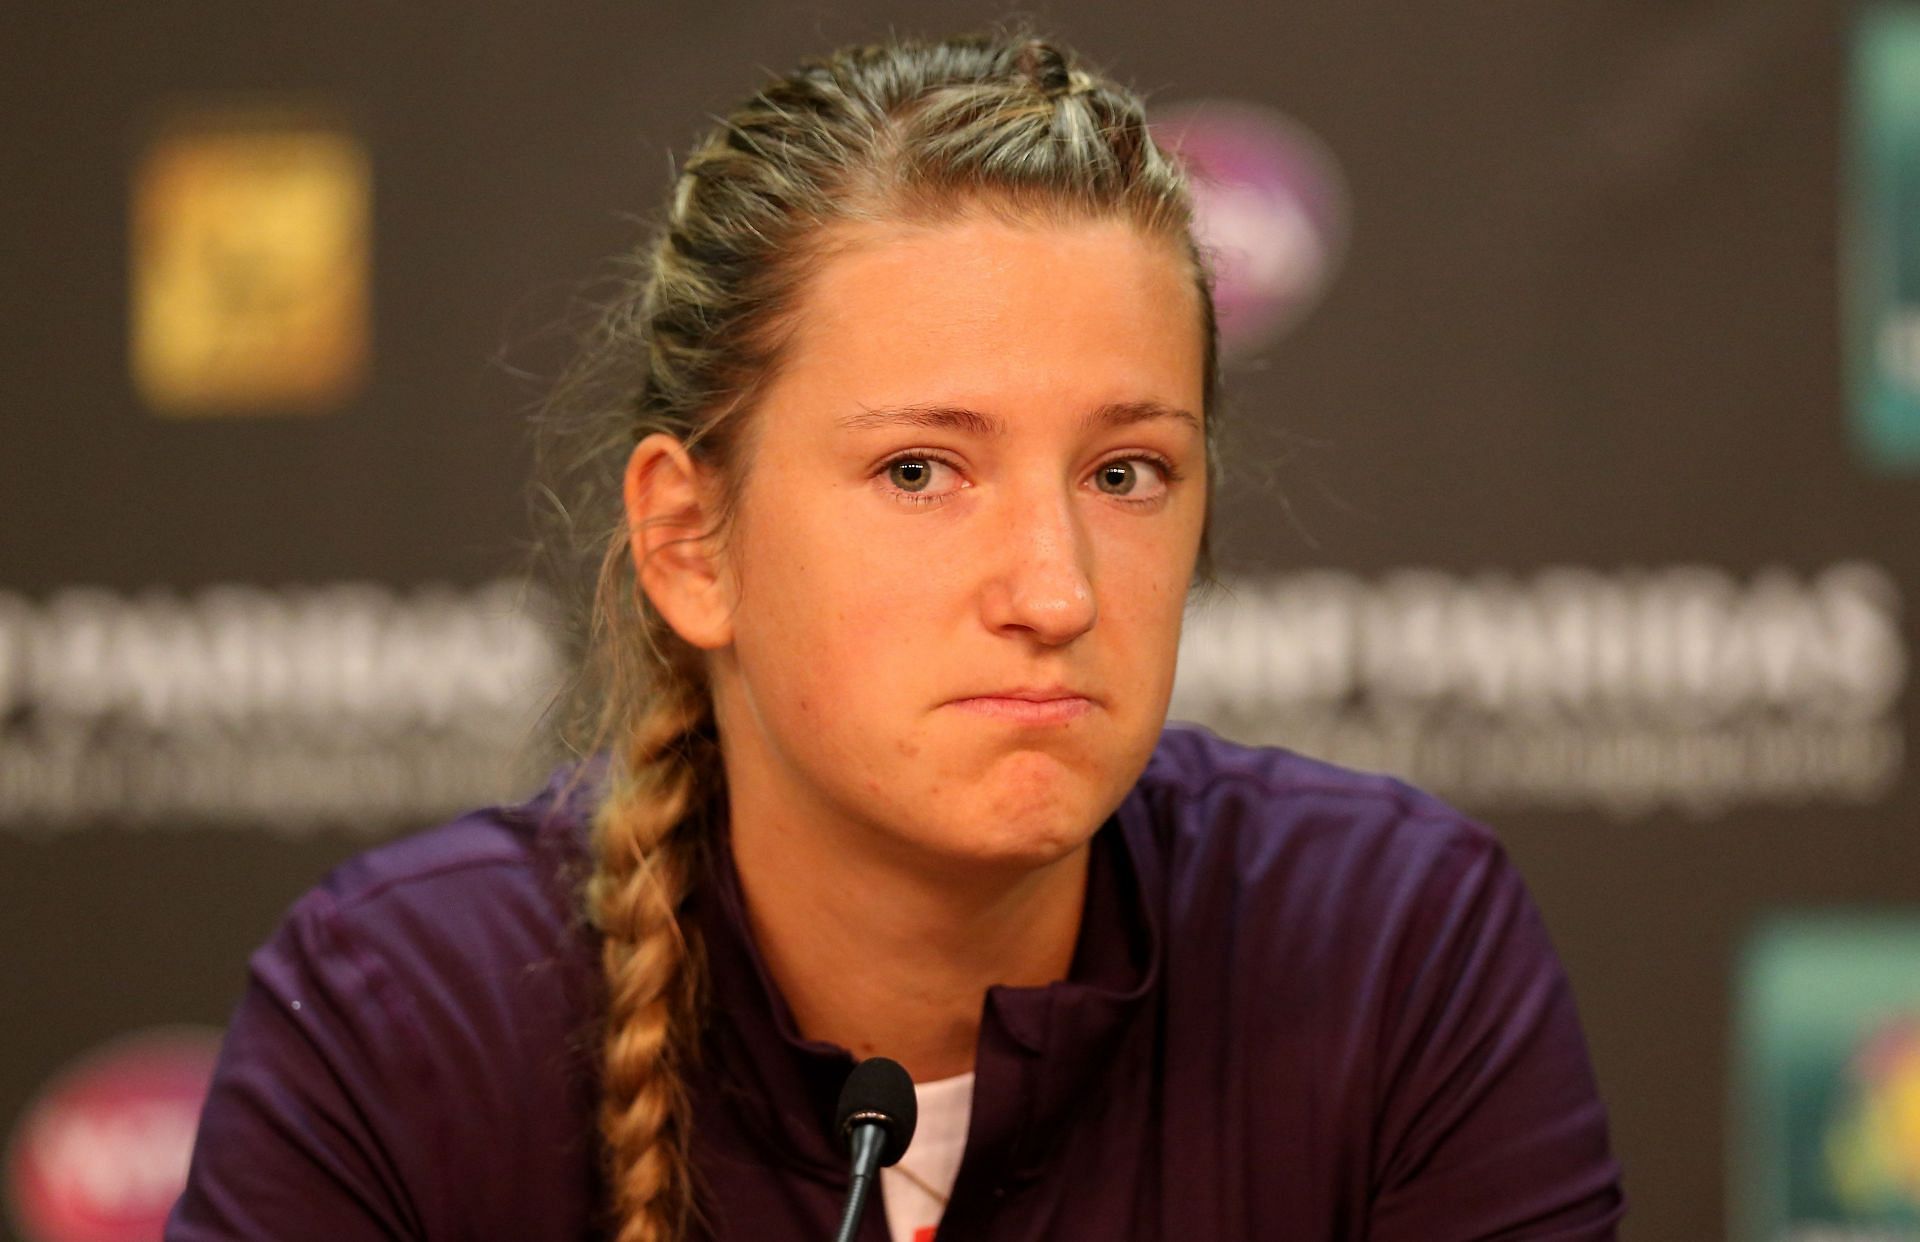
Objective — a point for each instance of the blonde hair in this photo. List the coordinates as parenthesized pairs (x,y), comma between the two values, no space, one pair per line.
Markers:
(908,130)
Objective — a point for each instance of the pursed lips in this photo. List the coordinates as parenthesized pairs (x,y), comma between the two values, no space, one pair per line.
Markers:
(1028,705)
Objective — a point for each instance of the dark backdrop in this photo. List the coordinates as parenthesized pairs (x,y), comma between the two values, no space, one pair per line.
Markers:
(1589,316)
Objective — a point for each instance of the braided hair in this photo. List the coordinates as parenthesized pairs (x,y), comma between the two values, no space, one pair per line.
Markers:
(905,131)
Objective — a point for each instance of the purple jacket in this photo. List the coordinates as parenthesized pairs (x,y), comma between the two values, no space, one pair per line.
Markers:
(1305,1004)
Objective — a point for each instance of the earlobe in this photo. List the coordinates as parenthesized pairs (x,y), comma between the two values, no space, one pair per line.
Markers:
(670,519)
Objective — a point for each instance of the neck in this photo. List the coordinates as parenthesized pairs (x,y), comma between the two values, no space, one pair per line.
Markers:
(890,955)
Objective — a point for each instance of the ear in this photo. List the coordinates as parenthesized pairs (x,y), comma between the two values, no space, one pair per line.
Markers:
(671,508)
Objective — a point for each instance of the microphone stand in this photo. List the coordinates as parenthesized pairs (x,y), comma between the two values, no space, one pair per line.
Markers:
(868,1140)
(876,1116)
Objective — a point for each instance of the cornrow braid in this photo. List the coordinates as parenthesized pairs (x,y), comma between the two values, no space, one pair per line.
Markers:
(908,131)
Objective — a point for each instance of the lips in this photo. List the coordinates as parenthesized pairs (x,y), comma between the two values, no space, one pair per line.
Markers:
(1028,705)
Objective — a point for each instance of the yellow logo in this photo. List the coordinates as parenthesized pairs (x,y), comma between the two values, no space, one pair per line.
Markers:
(1873,1146)
(250,255)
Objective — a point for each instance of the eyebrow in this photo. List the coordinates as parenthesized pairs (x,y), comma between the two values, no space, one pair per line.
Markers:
(973,422)
(1126,413)
(939,417)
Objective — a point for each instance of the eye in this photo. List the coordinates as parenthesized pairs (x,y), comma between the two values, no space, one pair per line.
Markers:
(920,478)
(1135,478)
(911,474)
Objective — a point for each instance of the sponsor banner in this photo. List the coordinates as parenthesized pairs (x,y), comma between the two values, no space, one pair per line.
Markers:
(1884,237)
(249,254)
(1572,688)
(102,1153)
(1828,1088)
(1270,212)
(347,706)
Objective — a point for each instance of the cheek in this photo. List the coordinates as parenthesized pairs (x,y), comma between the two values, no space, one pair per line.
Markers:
(828,602)
(1144,579)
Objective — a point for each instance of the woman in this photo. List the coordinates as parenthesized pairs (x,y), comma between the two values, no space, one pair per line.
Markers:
(915,485)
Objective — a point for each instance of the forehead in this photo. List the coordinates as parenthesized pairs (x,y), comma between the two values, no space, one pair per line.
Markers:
(1009,313)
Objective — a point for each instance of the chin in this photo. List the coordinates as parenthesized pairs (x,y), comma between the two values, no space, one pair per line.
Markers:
(1032,822)
(1039,842)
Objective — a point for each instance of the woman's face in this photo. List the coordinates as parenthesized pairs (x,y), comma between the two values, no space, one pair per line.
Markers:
(969,520)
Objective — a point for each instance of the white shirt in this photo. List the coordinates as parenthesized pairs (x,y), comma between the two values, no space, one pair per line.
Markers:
(939,1138)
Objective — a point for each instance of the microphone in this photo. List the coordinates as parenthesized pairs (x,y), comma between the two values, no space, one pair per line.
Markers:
(875,1118)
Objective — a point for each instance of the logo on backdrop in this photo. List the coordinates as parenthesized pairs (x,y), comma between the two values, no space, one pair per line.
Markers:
(1873,1140)
(1270,208)
(1828,1105)
(102,1154)
(346,706)
(1883,241)
(1572,688)
(250,255)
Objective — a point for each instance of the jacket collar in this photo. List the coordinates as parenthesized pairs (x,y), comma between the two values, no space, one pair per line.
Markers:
(1041,1050)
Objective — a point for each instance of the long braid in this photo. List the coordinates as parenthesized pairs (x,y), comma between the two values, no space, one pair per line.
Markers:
(646,853)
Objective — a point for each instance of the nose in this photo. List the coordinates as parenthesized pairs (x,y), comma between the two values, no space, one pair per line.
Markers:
(1044,585)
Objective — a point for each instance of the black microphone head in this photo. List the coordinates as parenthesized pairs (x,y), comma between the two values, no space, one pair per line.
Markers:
(879,1092)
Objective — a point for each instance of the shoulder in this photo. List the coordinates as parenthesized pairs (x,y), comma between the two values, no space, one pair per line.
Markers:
(489,879)
(1356,920)
(412,1055)
(467,936)
(1271,814)
(1316,879)
(510,868)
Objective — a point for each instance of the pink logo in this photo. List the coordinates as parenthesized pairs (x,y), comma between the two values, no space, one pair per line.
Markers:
(102,1154)
(1270,209)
